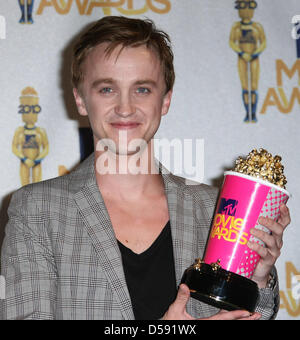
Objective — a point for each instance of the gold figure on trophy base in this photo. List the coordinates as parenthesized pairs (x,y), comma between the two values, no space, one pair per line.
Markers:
(248,40)
(30,143)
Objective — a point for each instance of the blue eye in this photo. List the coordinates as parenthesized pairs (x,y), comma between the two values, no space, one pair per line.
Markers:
(143,90)
(106,90)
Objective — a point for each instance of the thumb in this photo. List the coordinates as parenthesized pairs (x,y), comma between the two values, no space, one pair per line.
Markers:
(182,298)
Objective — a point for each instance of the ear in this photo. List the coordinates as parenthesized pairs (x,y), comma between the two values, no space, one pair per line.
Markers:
(166,102)
(79,102)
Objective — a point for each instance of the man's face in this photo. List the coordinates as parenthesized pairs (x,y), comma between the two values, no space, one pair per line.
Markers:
(123,94)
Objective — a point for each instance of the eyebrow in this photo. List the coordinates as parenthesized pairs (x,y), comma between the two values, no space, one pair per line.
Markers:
(112,81)
(146,82)
(102,81)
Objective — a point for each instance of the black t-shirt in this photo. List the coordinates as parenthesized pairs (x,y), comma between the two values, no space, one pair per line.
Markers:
(150,277)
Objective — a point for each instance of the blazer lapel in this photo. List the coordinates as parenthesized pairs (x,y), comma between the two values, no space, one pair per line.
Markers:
(187,244)
(184,231)
(97,222)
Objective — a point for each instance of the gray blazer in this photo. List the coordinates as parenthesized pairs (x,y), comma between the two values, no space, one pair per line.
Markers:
(60,256)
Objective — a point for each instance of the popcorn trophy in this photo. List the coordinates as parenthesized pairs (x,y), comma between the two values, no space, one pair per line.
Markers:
(255,188)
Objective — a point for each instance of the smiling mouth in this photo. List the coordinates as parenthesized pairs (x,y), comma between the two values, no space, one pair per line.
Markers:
(125,126)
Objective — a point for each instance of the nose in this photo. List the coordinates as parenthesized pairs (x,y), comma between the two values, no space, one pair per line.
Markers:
(125,106)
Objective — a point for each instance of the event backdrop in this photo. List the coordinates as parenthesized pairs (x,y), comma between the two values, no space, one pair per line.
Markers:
(211,110)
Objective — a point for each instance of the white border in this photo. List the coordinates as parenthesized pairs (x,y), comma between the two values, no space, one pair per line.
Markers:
(258,180)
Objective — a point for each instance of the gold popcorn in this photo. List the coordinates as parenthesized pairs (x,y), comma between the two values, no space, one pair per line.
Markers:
(262,164)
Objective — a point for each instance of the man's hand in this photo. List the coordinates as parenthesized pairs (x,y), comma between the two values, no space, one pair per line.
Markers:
(273,242)
(177,311)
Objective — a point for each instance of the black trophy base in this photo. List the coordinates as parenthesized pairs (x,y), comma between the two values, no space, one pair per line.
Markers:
(220,288)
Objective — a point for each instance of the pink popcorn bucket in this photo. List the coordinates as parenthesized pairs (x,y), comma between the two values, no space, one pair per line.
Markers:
(242,201)
(223,278)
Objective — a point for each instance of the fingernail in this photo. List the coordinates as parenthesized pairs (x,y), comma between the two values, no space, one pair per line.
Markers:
(183,288)
(245,314)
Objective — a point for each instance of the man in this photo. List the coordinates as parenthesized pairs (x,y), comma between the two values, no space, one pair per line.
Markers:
(107,241)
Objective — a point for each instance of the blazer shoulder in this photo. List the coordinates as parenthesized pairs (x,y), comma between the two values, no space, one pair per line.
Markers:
(55,189)
(58,186)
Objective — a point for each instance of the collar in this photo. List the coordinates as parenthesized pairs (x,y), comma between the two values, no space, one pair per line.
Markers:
(27,128)
(246,23)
